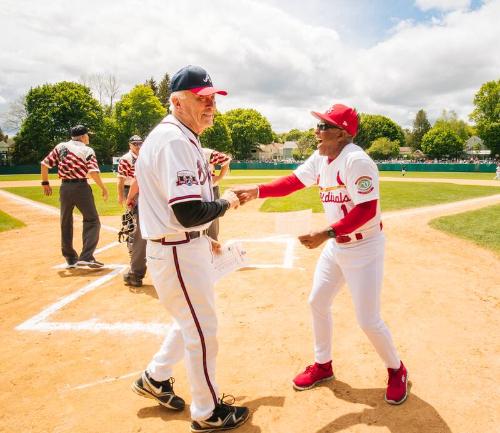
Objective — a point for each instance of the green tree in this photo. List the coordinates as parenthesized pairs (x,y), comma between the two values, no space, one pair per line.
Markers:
(154,87)
(248,129)
(306,144)
(137,112)
(383,148)
(420,127)
(2,136)
(164,91)
(51,110)
(486,114)
(217,136)
(104,142)
(293,135)
(449,120)
(439,143)
(373,126)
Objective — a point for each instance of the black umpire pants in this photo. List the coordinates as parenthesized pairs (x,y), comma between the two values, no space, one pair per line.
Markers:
(78,194)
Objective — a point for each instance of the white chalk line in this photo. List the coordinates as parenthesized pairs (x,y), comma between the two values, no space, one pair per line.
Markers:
(103,381)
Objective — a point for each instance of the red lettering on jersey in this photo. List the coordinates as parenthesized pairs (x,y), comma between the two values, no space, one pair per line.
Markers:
(331,197)
(339,181)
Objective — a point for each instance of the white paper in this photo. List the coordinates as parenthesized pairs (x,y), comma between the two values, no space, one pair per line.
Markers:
(293,223)
(231,257)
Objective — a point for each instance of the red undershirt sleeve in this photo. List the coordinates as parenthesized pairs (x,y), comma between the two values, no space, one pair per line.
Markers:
(359,215)
(280,187)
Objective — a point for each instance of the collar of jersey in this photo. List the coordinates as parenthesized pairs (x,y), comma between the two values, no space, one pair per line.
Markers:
(184,128)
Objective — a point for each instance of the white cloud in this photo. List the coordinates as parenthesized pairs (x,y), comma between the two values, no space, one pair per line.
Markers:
(443,5)
(266,58)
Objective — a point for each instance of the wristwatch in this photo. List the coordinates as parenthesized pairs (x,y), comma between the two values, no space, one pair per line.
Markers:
(331,233)
(45,182)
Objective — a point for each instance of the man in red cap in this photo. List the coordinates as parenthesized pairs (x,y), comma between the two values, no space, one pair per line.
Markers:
(176,207)
(354,251)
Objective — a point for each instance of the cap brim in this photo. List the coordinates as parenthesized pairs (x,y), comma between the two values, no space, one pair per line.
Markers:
(325,118)
(205,91)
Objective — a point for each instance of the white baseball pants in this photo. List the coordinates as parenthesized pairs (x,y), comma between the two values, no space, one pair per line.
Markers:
(182,276)
(360,265)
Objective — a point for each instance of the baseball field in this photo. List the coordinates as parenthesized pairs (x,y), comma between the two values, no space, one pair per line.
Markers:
(74,340)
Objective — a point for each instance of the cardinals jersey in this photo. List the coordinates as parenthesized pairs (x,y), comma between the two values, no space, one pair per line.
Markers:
(348,180)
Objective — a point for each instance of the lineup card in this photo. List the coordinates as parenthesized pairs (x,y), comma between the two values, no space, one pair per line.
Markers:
(232,257)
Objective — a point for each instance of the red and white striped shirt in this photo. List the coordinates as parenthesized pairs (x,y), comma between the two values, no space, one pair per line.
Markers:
(74,160)
(214,157)
(126,167)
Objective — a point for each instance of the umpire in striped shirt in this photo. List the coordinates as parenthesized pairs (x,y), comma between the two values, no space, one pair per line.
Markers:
(75,161)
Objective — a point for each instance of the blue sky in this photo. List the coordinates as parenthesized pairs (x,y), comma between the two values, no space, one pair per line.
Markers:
(283,58)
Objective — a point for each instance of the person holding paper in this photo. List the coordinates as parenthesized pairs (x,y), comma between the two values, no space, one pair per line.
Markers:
(176,207)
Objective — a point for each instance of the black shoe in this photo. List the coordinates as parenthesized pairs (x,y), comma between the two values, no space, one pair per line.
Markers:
(162,392)
(131,279)
(224,417)
(71,263)
(93,263)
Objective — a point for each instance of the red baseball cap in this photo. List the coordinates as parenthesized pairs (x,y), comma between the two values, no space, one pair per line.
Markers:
(342,116)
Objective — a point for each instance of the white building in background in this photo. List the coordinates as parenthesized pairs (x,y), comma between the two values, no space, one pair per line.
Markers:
(288,149)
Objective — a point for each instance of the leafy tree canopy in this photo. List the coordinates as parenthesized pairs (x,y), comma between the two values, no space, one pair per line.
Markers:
(373,126)
(440,143)
(51,110)
(383,148)
(248,129)
(137,112)
(487,115)
(449,120)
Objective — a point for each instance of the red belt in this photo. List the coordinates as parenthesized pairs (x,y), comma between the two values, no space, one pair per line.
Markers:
(343,239)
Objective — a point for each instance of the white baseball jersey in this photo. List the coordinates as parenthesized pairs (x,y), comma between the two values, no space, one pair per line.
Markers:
(126,167)
(350,179)
(73,158)
(177,172)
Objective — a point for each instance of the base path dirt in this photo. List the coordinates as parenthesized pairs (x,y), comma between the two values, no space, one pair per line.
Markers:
(85,337)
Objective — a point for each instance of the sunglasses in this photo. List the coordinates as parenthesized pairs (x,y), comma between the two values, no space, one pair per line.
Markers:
(325,126)
(138,144)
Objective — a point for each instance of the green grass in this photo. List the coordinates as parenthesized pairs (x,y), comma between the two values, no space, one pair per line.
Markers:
(480,226)
(439,175)
(8,223)
(13,177)
(410,174)
(111,207)
(394,196)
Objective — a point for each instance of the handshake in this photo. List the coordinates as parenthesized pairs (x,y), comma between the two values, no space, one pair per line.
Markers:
(239,195)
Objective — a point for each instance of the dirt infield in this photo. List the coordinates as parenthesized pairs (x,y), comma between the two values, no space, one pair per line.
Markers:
(70,367)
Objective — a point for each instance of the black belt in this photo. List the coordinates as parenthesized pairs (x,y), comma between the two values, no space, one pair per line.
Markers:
(73,180)
(188,237)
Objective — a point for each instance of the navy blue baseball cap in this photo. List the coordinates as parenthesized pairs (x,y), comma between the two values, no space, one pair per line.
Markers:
(196,80)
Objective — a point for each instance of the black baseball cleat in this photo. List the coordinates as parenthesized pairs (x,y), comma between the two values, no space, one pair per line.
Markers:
(162,392)
(131,279)
(224,417)
(93,263)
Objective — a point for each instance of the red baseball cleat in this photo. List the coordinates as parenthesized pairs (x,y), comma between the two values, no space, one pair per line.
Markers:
(397,385)
(312,375)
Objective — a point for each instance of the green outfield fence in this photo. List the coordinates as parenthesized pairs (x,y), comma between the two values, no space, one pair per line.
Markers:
(476,168)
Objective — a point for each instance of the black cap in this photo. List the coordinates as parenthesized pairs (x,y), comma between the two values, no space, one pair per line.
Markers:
(195,79)
(78,130)
(135,139)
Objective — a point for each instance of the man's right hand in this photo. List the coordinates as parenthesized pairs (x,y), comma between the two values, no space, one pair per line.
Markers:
(232,198)
(47,189)
(246,192)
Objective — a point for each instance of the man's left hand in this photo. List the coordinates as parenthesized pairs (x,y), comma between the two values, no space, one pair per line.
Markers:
(314,239)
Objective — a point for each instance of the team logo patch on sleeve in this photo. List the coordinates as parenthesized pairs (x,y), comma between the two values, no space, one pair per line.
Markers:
(186,177)
(364,184)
